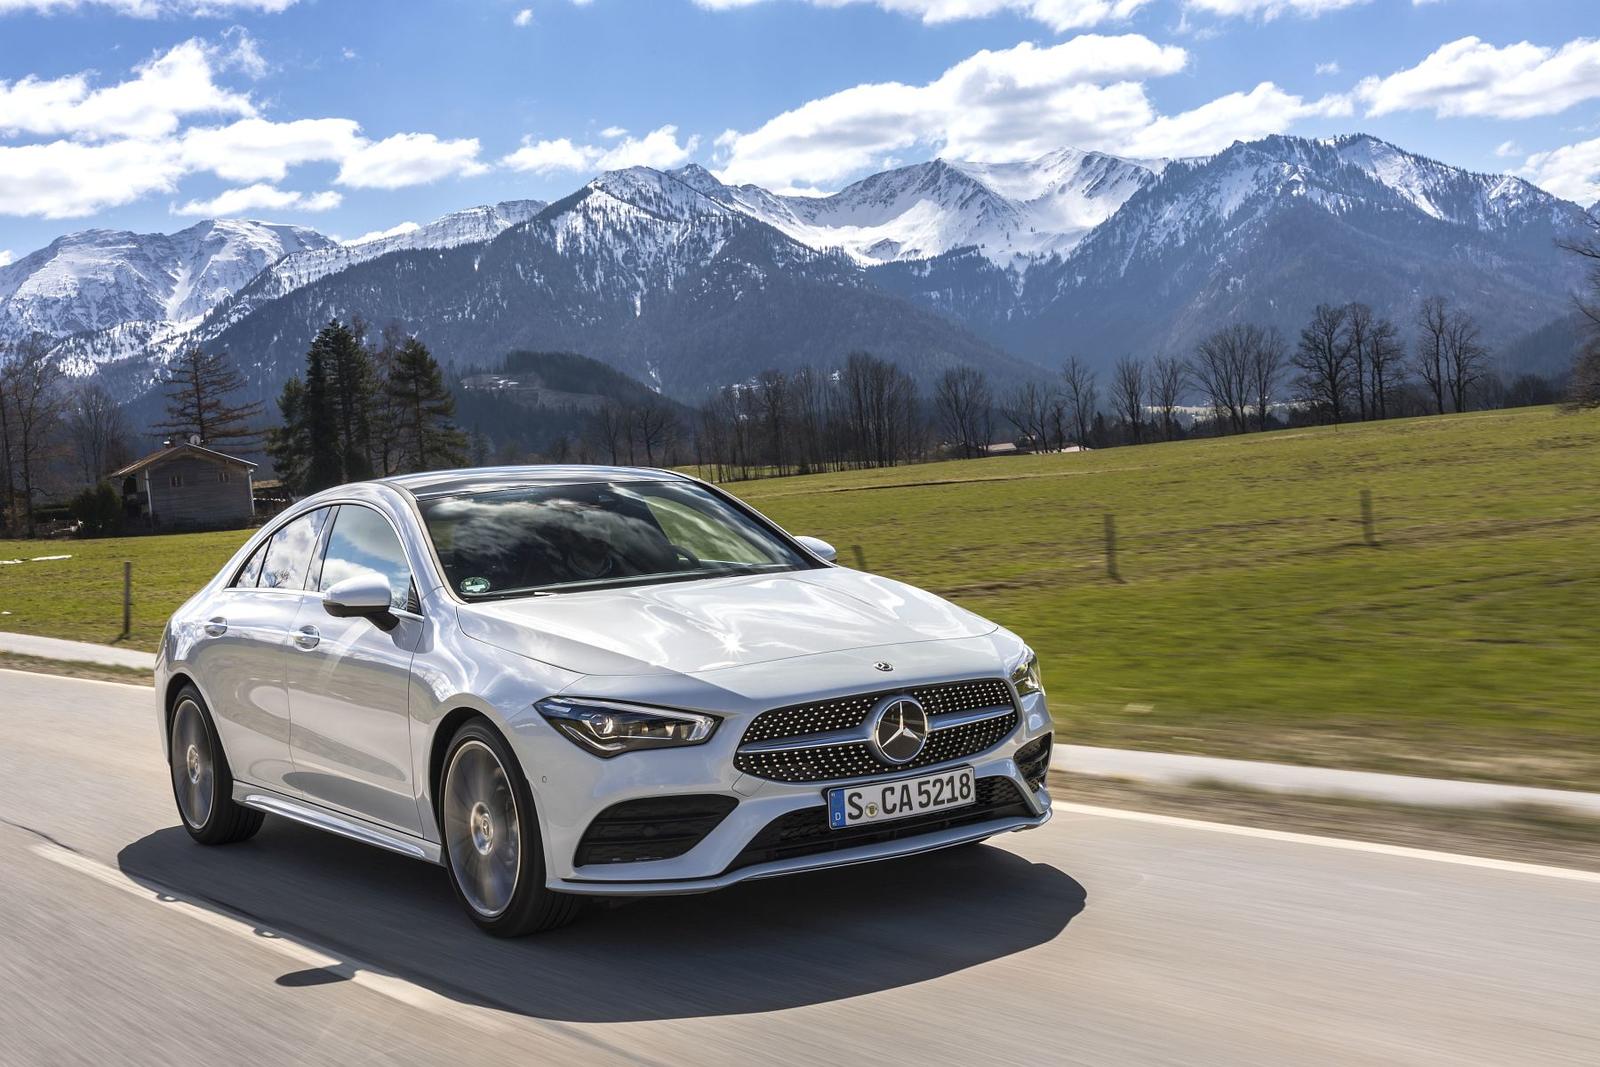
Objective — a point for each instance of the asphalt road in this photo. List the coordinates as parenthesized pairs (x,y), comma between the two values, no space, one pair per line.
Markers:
(1097,939)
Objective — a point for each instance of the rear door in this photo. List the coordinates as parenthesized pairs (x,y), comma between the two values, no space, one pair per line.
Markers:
(349,682)
(242,658)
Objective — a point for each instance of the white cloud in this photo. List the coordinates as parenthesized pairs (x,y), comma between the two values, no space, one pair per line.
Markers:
(1059,15)
(409,159)
(611,133)
(1572,171)
(660,148)
(64,179)
(1330,67)
(523,17)
(233,202)
(164,90)
(1507,148)
(110,145)
(1270,9)
(149,8)
(5,257)
(1212,126)
(1009,104)
(257,150)
(1471,77)
(378,235)
(547,157)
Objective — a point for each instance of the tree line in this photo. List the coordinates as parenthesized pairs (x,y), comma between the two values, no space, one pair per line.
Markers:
(361,410)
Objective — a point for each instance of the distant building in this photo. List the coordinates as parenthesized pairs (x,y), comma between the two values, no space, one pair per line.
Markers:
(187,486)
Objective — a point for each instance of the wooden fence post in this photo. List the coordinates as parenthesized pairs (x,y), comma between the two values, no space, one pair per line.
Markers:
(127,599)
(1111,548)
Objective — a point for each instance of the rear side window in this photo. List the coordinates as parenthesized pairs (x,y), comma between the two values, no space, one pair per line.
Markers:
(250,573)
(363,542)
(289,552)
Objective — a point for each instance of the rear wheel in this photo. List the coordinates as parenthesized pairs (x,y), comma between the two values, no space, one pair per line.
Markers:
(491,838)
(201,781)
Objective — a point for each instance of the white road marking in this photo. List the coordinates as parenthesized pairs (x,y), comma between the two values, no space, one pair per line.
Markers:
(302,952)
(142,686)
(1348,844)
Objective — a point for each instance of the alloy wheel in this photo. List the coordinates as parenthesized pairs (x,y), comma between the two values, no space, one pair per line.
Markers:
(483,834)
(194,770)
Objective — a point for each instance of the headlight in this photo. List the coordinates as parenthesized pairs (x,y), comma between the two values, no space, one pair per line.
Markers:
(1025,675)
(609,729)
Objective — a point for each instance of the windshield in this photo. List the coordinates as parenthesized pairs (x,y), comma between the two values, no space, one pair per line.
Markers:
(589,535)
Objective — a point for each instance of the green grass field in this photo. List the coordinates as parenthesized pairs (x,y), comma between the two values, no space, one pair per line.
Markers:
(1250,618)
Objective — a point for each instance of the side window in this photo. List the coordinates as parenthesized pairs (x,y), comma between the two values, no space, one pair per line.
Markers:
(363,542)
(250,573)
(289,552)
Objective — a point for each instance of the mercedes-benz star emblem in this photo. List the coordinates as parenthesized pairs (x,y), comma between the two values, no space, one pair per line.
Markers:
(899,729)
(883,665)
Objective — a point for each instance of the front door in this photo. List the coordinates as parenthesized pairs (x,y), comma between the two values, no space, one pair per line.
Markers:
(349,683)
(241,652)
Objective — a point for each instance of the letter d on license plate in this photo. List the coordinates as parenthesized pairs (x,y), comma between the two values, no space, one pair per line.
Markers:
(881,801)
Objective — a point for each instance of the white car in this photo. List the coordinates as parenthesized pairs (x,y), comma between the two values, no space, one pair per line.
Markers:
(560,682)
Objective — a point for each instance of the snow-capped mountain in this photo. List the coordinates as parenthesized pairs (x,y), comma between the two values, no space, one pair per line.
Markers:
(686,281)
(1010,212)
(1264,231)
(472,225)
(99,279)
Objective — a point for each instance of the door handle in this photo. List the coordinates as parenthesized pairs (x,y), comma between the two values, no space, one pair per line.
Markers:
(307,637)
(216,627)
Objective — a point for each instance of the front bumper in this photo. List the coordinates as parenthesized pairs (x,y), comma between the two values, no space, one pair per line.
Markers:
(571,792)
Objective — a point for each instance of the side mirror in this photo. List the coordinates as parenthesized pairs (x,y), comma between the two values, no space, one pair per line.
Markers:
(365,596)
(820,548)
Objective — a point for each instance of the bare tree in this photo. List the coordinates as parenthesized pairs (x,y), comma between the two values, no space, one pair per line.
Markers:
(1433,331)
(1585,388)
(29,381)
(654,426)
(199,387)
(1127,395)
(1385,366)
(1465,357)
(1164,390)
(1082,396)
(963,403)
(772,400)
(1358,328)
(98,430)
(1266,354)
(1323,358)
(1027,407)
(1221,369)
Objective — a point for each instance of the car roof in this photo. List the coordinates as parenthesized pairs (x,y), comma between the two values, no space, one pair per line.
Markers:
(489,479)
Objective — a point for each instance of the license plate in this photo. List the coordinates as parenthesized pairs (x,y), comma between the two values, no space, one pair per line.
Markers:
(881,801)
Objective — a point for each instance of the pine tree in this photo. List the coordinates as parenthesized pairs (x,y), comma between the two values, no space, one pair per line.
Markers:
(198,386)
(352,386)
(289,445)
(320,421)
(428,439)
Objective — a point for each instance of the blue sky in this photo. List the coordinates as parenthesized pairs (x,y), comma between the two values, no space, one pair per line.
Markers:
(356,115)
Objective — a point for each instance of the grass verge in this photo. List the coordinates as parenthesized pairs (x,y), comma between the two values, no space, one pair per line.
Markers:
(11,661)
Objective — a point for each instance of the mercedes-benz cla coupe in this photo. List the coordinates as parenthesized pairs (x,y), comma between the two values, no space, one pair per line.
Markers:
(568,681)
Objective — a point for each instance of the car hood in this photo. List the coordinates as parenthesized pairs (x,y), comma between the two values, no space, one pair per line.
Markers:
(687,627)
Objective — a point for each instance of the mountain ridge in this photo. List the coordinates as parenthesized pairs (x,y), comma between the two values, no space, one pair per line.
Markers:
(979,262)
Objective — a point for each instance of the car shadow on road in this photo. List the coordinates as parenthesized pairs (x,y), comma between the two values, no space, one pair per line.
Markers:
(761,946)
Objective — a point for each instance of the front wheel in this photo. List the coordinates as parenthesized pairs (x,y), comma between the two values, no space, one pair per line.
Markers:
(491,838)
(201,781)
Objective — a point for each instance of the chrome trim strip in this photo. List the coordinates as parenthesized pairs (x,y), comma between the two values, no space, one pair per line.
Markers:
(322,819)
(949,719)
(778,868)
(860,734)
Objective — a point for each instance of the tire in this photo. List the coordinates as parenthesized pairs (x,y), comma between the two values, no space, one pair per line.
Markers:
(490,833)
(202,784)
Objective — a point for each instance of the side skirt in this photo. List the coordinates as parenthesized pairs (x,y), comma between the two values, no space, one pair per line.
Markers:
(320,818)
